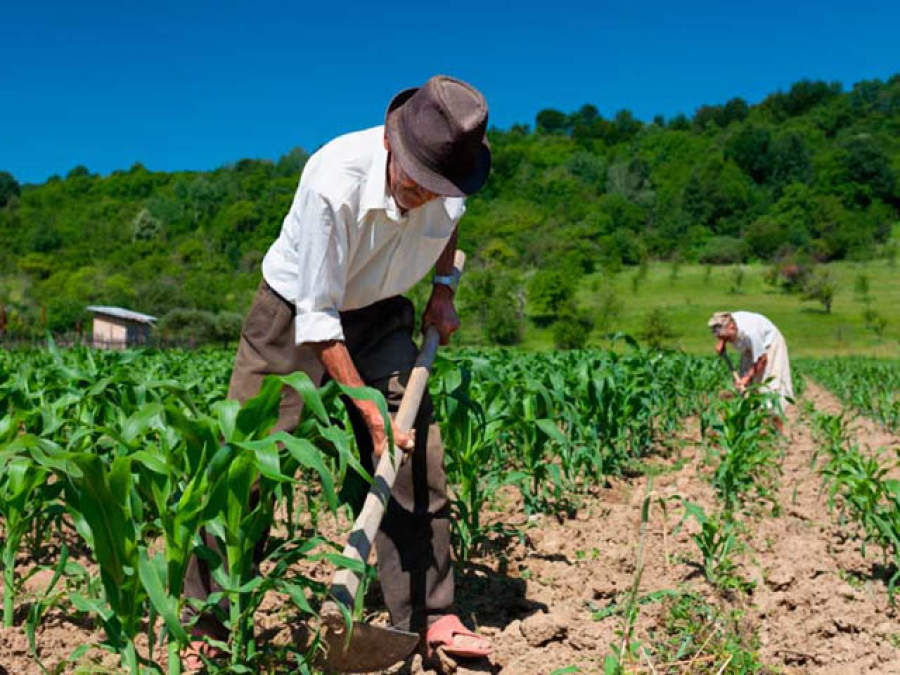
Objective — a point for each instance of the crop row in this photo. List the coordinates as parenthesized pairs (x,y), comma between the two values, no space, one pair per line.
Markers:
(132,454)
(862,489)
(870,385)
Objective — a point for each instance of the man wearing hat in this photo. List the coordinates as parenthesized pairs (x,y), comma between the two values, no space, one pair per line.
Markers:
(375,212)
(764,353)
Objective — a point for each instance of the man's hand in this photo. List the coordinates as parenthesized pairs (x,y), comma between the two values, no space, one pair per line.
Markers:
(406,441)
(337,362)
(441,313)
(739,383)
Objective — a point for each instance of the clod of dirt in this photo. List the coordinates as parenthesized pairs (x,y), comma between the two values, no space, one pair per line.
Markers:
(518,668)
(588,638)
(553,543)
(38,582)
(606,588)
(446,663)
(886,629)
(513,631)
(539,629)
(780,578)
(417,667)
(846,624)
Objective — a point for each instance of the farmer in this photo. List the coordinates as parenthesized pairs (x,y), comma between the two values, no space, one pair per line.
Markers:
(764,353)
(374,212)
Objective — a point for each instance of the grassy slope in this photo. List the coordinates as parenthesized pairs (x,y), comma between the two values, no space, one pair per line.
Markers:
(692,297)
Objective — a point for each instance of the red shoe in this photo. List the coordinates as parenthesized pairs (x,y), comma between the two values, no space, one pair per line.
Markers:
(455,639)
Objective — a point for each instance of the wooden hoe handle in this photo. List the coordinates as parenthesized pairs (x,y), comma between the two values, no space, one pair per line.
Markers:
(345,582)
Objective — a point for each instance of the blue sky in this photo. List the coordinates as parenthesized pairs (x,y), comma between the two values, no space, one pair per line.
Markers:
(194,85)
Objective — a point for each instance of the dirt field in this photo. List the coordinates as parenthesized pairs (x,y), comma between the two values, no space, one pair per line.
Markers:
(816,606)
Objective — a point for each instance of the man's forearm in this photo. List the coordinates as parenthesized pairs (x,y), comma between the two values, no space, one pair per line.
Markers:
(335,357)
(756,369)
(760,365)
(444,264)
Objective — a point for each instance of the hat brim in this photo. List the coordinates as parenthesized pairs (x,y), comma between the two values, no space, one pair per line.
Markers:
(446,186)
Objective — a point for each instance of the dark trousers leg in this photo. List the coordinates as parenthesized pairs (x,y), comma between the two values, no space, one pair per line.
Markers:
(413,546)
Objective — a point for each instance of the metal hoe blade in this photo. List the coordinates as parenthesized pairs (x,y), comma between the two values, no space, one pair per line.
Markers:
(370,648)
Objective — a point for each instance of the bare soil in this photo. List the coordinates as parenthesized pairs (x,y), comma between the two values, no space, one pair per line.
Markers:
(817,605)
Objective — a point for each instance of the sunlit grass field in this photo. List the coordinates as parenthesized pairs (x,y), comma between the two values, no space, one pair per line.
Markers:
(693,292)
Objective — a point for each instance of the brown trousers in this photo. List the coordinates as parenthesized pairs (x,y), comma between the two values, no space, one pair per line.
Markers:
(413,545)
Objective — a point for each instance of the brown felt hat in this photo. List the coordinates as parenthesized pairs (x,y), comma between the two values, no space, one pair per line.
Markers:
(437,133)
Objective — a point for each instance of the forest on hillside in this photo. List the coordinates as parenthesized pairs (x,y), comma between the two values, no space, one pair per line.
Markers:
(807,175)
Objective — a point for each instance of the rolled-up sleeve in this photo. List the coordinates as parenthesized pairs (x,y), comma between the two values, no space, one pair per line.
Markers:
(322,252)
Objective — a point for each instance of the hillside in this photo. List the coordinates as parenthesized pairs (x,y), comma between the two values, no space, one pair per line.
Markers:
(807,175)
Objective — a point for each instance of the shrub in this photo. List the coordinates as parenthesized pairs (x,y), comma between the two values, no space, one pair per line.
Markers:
(724,251)
(572,329)
(502,325)
(657,328)
(821,287)
(548,292)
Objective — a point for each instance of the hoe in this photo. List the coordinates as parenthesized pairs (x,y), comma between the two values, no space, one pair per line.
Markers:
(367,648)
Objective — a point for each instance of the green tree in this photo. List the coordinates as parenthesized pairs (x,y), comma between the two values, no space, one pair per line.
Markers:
(552,121)
(9,188)
(572,328)
(548,293)
(657,328)
(821,287)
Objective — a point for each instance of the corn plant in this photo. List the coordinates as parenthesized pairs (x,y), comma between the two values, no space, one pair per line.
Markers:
(868,497)
(716,541)
(471,437)
(743,449)
(25,496)
(137,463)
(138,451)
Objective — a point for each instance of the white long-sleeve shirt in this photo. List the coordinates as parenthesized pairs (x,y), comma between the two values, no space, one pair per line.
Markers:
(344,243)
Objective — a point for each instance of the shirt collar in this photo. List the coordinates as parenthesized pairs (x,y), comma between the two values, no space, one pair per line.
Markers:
(375,195)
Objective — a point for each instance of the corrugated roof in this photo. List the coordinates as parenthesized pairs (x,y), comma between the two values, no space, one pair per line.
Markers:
(120,313)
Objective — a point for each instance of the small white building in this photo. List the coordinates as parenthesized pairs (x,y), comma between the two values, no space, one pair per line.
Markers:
(117,328)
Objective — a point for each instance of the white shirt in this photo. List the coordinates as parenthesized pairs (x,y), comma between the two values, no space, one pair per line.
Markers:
(755,333)
(344,244)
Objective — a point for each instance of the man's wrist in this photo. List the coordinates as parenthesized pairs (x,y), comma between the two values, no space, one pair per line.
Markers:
(449,280)
(443,290)
(369,411)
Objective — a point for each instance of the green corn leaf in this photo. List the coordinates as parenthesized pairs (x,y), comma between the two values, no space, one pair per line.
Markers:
(297,594)
(150,416)
(151,460)
(307,455)
(267,460)
(312,399)
(342,561)
(152,575)
(259,414)
(104,515)
(227,412)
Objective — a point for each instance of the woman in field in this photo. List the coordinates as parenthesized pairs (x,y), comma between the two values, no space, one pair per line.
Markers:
(764,353)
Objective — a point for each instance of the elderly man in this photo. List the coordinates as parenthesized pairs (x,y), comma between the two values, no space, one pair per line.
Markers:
(764,353)
(374,212)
